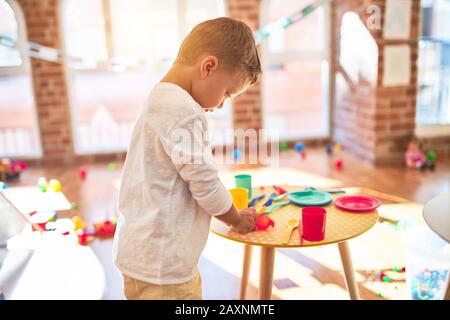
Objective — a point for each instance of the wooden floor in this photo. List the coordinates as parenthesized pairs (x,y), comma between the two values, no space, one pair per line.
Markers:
(310,273)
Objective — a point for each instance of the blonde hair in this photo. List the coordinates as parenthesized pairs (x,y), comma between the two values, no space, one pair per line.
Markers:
(231,41)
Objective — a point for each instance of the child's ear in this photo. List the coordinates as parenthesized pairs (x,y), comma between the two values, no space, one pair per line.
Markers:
(208,65)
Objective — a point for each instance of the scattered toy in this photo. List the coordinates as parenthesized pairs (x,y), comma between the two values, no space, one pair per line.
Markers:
(263,222)
(105,229)
(82,171)
(111,166)
(42,184)
(236,154)
(299,147)
(339,164)
(55,185)
(10,169)
(414,157)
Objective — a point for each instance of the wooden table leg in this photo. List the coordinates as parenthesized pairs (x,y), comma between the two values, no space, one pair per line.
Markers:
(266,273)
(346,259)
(246,270)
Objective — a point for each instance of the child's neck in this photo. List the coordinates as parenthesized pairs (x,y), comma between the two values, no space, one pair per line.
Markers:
(179,75)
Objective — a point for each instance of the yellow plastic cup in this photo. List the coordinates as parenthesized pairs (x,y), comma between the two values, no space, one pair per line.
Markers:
(240,197)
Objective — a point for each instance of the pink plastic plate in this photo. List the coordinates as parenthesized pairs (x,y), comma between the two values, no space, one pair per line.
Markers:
(357,203)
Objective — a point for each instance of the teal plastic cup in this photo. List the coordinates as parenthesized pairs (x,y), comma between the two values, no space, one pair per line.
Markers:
(244,181)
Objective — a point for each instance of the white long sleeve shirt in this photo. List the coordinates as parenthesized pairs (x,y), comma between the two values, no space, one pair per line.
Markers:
(169,190)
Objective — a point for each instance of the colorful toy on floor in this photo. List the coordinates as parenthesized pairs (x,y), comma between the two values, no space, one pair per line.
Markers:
(431,156)
(10,169)
(111,166)
(329,149)
(299,147)
(283,146)
(236,154)
(415,158)
(84,238)
(3,185)
(339,164)
(55,185)
(82,172)
(279,189)
(263,222)
(337,148)
(42,184)
(105,229)
(78,223)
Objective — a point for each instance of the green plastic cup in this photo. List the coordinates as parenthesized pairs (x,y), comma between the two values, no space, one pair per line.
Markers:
(244,181)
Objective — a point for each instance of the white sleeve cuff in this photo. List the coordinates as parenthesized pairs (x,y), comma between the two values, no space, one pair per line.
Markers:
(218,202)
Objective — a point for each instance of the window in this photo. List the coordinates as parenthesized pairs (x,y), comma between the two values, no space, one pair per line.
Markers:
(19,134)
(433,103)
(296,76)
(124,48)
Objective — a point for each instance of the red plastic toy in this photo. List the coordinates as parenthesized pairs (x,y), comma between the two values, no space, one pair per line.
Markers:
(83,173)
(279,190)
(303,154)
(339,164)
(105,229)
(84,238)
(263,222)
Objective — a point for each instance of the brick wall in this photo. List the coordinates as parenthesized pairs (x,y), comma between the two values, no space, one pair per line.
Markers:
(373,121)
(247,111)
(42,20)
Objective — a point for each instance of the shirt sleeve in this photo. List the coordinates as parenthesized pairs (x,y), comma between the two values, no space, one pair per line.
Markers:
(188,147)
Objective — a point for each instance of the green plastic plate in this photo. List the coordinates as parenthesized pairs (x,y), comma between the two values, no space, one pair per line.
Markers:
(310,198)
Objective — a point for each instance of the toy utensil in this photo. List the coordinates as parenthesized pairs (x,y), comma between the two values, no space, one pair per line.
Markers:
(337,191)
(281,196)
(262,209)
(279,189)
(255,199)
(292,224)
(276,205)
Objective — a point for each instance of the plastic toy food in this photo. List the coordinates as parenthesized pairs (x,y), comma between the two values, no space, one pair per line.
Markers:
(263,222)
(105,229)
(55,185)
(279,190)
(339,164)
(83,173)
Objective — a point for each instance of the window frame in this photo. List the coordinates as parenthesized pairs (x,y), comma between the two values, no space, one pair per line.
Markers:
(181,13)
(323,55)
(429,130)
(24,69)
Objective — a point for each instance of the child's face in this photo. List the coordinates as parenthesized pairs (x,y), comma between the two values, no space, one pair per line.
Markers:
(215,85)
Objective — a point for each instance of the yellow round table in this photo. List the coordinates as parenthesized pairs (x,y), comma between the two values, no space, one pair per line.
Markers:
(340,227)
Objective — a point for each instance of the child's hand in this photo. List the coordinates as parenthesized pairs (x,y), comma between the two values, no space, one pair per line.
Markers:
(248,219)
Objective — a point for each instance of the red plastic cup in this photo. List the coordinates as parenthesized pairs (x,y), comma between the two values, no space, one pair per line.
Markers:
(313,223)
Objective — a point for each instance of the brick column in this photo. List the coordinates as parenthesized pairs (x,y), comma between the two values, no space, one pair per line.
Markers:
(247,111)
(42,18)
(370,120)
